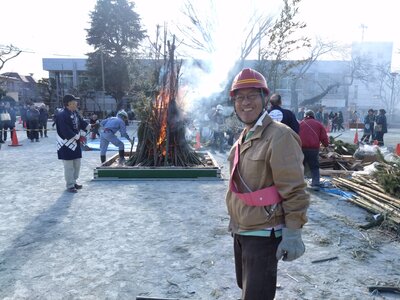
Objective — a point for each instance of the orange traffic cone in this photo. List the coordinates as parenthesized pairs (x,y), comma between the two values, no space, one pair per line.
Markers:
(14,139)
(398,149)
(356,137)
(198,145)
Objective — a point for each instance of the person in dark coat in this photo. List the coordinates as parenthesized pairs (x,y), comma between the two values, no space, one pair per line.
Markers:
(380,127)
(69,124)
(44,117)
(11,123)
(23,111)
(32,117)
(340,121)
(279,114)
(95,124)
(2,120)
(369,121)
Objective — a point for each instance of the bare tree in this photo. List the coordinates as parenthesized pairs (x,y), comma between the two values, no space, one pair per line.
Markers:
(302,66)
(388,89)
(360,68)
(282,40)
(197,34)
(8,52)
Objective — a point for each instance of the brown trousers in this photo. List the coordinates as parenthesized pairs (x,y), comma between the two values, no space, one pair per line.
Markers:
(256,266)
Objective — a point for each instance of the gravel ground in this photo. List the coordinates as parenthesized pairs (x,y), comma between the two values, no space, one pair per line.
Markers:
(120,239)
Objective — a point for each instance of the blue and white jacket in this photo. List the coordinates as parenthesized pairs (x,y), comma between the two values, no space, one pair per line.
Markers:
(69,124)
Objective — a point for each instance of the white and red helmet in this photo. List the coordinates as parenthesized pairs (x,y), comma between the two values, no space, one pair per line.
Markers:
(249,78)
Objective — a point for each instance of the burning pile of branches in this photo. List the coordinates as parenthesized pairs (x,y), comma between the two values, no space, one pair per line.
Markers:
(162,139)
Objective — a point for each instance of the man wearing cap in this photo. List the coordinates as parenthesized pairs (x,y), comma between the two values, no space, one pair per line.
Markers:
(110,127)
(266,199)
(69,124)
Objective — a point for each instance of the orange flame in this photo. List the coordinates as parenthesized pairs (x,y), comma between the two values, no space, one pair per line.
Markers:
(162,106)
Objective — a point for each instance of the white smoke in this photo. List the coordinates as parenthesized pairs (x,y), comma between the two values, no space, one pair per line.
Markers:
(207,74)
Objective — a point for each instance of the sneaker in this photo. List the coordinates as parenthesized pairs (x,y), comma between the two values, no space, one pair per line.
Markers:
(78,186)
(315,188)
(37,140)
(72,190)
(1,142)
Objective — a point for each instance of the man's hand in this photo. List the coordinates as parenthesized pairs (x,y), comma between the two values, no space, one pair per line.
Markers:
(291,247)
(82,139)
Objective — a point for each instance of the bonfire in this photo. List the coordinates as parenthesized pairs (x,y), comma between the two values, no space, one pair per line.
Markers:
(162,139)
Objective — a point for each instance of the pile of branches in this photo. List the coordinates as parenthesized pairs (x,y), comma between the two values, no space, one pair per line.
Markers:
(387,174)
(161,136)
(378,192)
(329,159)
(341,147)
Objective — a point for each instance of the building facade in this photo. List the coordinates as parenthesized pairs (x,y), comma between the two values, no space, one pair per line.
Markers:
(69,76)
(19,87)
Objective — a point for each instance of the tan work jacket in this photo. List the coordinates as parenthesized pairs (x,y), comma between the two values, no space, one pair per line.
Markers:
(271,156)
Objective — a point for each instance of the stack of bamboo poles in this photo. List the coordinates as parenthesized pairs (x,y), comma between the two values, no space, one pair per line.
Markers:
(371,196)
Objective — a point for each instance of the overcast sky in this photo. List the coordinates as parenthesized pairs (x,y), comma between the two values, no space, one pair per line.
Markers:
(56,28)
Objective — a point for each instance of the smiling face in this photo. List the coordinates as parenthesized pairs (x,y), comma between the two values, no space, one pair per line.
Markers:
(72,105)
(248,105)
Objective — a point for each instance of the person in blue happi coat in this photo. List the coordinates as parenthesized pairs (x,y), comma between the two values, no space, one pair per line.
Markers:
(69,123)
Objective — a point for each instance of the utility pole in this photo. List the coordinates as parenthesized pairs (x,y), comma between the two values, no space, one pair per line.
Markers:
(393,74)
(363,28)
(102,78)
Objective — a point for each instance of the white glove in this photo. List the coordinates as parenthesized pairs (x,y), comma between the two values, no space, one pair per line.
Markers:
(291,247)
(77,136)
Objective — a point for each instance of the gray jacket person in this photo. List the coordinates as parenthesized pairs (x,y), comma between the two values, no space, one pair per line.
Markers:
(110,127)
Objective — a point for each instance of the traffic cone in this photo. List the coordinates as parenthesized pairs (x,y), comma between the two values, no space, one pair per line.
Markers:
(198,145)
(327,129)
(398,149)
(356,137)
(14,139)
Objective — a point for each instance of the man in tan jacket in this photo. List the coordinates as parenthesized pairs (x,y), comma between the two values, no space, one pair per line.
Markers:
(266,200)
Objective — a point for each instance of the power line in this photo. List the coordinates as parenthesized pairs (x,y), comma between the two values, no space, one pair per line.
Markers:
(16,49)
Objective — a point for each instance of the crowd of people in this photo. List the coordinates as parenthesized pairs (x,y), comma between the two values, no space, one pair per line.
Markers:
(34,120)
(375,127)
(222,130)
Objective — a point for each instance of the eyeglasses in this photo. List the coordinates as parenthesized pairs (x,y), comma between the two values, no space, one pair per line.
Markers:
(250,97)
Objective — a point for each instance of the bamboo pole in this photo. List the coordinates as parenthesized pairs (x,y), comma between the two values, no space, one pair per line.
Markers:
(367,189)
(373,208)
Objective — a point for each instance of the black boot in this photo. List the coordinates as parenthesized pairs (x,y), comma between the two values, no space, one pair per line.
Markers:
(103,159)
(121,157)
